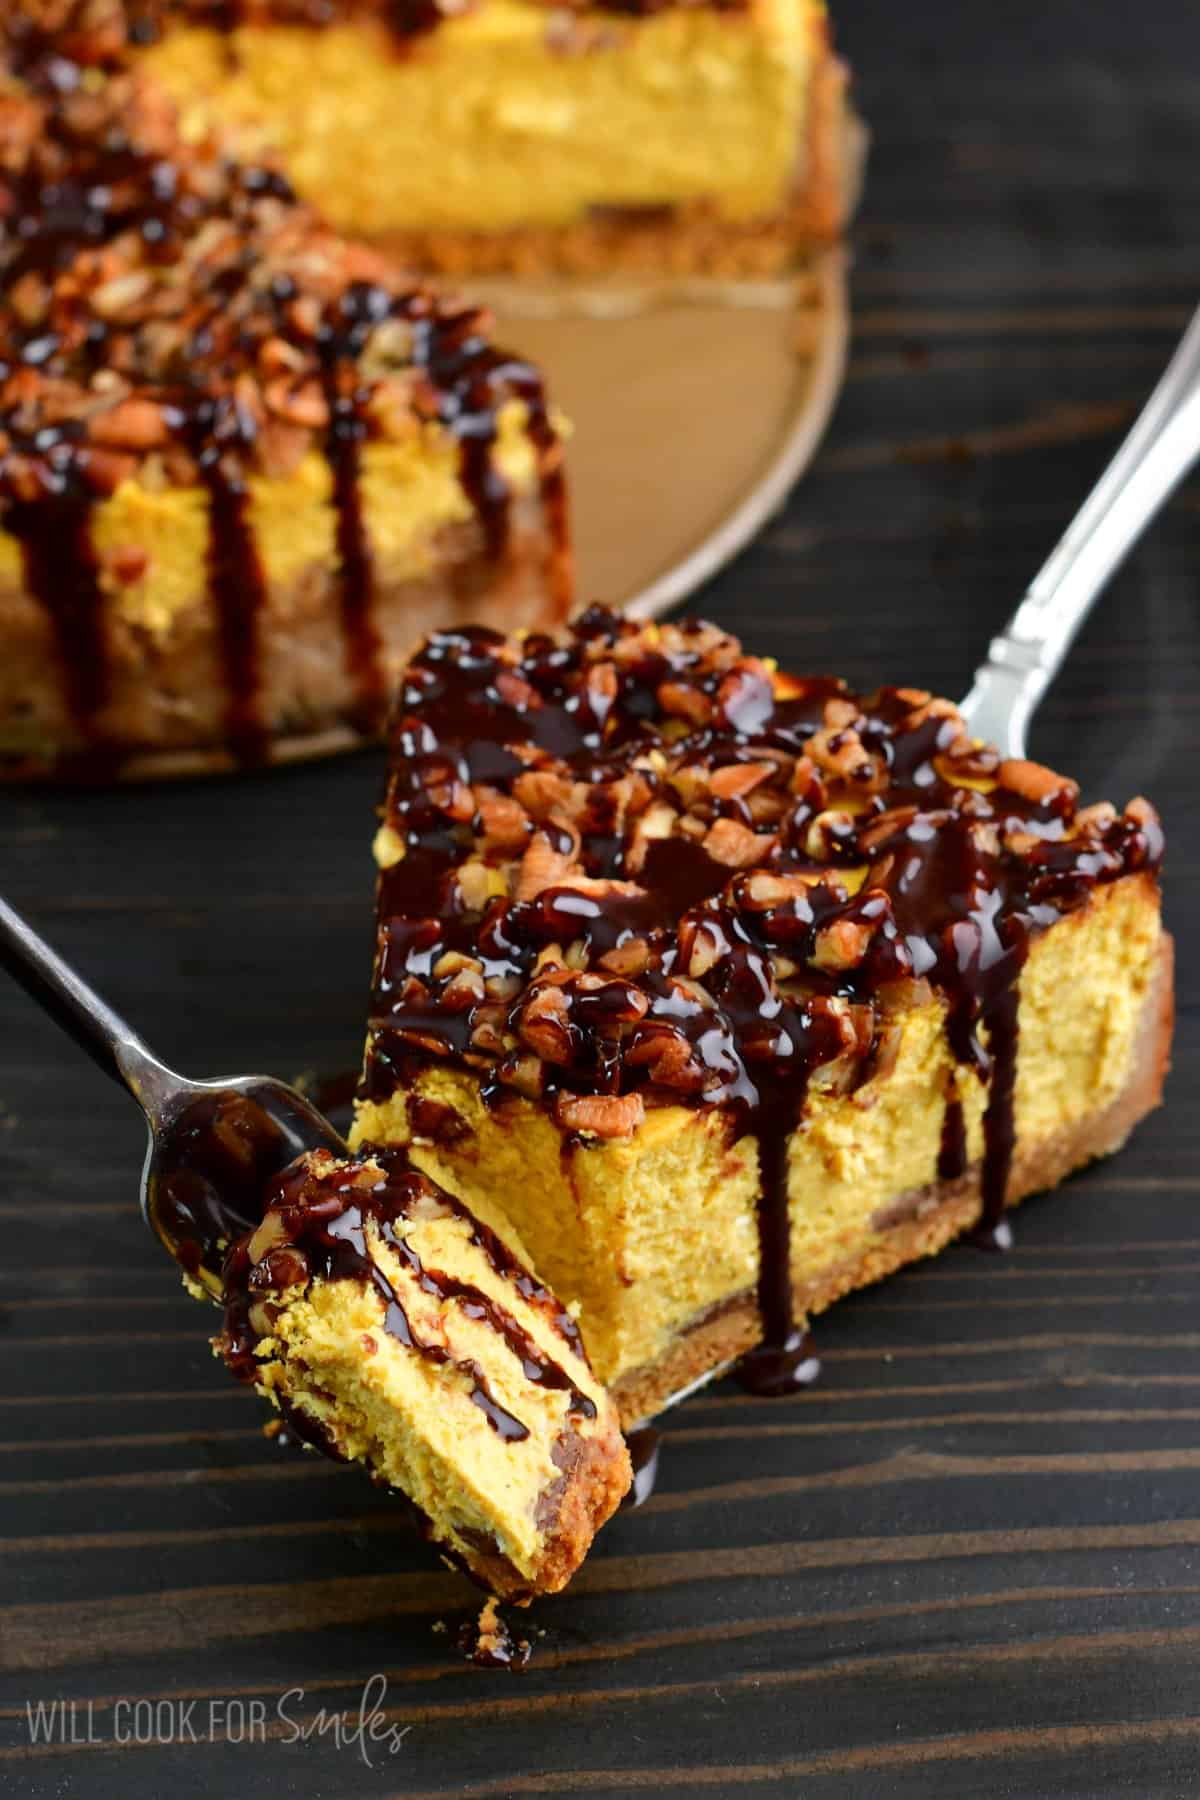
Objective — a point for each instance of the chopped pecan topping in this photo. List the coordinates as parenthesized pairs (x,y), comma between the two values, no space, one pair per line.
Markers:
(600,1115)
(702,883)
(736,845)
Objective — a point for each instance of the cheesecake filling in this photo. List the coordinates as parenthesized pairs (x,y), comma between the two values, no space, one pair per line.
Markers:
(539,117)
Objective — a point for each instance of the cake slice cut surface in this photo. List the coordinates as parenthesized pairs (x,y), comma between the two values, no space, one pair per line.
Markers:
(392,1326)
(733,991)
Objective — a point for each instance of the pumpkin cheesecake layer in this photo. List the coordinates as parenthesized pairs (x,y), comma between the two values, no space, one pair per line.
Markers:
(244,465)
(393,1327)
(731,990)
(512,134)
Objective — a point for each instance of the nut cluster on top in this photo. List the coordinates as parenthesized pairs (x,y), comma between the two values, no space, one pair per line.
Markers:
(635,865)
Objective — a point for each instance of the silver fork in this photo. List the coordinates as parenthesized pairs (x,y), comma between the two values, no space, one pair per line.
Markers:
(213,1144)
(1023,660)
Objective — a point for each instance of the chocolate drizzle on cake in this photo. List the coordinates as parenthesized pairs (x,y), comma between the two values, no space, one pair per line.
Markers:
(632,868)
(321,1221)
(643,1446)
(176,319)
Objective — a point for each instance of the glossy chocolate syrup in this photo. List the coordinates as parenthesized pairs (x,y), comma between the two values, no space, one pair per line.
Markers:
(920,865)
(107,178)
(325,1213)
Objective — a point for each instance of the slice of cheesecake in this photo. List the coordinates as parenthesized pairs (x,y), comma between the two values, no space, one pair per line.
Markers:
(733,992)
(519,134)
(393,1327)
(244,464)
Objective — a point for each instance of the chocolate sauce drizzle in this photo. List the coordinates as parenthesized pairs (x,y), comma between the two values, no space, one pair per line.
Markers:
(324,1214)
(819,859)
(221,367)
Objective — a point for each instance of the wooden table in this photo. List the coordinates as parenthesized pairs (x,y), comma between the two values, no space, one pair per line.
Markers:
(969,1562)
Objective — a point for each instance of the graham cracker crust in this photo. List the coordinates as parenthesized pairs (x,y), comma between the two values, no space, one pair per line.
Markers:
(921,1222)
(595,1478)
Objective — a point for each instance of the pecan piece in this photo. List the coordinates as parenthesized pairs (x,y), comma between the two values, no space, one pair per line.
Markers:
(668,1057)
(543,792)
(736,845)
(544,1024)
(736,779)
(701,945)
(1036,783)
(1097,817)
(842,944)
(841,753)
(504,820)
(680,701)
(630,958)
(658,821)
(544,865)
(600,1115)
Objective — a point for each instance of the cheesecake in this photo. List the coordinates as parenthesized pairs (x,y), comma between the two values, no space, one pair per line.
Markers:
(732,991)
(245,463)
(484,135)
(392,1326)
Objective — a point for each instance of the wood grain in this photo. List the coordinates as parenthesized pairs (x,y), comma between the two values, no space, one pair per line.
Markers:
(968,1562)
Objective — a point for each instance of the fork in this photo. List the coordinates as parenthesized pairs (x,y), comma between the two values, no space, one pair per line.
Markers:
(1024,658)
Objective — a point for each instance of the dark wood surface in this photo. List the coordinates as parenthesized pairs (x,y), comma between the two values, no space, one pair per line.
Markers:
(969,1562)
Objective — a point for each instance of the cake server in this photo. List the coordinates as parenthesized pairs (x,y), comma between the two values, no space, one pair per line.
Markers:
(213,1145)
(1023,660)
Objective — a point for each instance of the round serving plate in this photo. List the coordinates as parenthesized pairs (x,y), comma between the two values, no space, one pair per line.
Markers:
(694,407)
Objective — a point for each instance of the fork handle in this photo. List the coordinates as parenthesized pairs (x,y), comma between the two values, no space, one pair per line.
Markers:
(1023,660)
(112,1044)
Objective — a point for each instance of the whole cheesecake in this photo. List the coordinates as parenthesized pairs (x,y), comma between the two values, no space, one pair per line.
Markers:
(244,462)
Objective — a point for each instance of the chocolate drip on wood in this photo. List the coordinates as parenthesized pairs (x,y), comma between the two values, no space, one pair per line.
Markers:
(489,1642)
